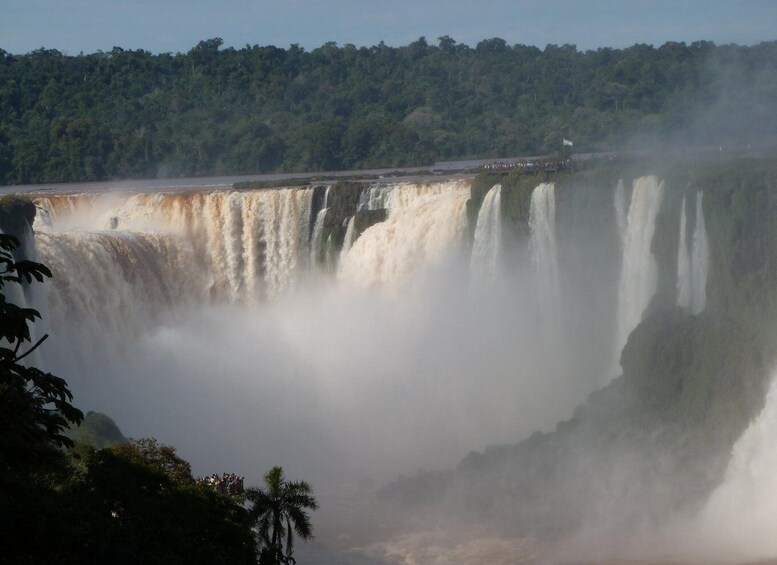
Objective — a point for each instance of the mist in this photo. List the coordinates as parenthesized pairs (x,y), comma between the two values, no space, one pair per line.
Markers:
(403,361)
(442,373)
(332,383)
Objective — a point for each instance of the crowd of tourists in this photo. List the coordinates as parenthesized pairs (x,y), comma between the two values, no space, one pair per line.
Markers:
(534,166)
(226,483)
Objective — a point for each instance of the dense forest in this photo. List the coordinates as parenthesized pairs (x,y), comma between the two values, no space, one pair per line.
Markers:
(131,114)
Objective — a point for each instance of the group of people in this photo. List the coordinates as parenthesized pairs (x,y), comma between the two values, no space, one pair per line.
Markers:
(226,483)
(535,165)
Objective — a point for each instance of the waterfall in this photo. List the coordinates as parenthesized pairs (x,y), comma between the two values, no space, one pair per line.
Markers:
(318,230)
(234,246)
(692,266)
(488,236)
(348,240)
(684,288)
(544,256)
(375,197)
(619,202)
(739,515)
(124,263)
(114,285)
(699,260)
(639,272)
(426,225)
(329,253)
(230,246)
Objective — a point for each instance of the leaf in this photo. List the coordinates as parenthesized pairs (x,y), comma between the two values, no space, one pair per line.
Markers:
(30,269)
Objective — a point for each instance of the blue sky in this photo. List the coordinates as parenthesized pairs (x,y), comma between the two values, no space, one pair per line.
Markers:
(75,26)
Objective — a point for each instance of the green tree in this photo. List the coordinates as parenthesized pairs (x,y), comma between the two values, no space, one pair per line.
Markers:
(97,431)
(149,452)
(138,503)
(35,406)
(278,510)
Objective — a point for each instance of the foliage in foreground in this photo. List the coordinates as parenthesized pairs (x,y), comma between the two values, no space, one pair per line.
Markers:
(35,406)
(62,502)
(279,510)
(130,503)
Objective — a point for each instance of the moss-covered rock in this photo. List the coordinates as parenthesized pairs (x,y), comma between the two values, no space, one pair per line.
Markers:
(16,214)
(366,218)
(341,205)
(517,188)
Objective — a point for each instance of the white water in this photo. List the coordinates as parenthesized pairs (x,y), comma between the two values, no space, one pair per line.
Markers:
(426,226)
(619,202)
(739,518)
(486,248)
(169,252)
(639,271)
(376,197)
(347,240)
(692,264)
(684,283)
(230,246)
(329,379)
(318,229)
(544,257)
(699,260)
(156,324)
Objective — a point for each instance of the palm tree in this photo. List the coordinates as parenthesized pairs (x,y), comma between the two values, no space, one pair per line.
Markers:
(278,510)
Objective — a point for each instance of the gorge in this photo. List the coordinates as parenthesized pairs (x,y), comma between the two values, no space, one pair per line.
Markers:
(609,332)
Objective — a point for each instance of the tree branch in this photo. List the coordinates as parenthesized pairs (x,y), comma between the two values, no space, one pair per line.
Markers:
(31,349)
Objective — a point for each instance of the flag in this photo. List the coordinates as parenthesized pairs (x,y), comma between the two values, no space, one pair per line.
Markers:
(567,142)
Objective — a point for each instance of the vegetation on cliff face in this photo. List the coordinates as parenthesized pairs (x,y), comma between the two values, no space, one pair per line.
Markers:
(16,214)
(517,188)
(657,438)
(342,204)
(211,111)
(96,430)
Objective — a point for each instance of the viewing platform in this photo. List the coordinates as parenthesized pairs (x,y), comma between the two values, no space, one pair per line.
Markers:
(530,166)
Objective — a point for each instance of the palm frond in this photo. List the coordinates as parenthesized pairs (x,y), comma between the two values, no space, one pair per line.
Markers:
(302,524)
(278,511)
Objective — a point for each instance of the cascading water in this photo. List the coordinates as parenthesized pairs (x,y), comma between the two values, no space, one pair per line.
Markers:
(738,518)
(426,224)
(348,239)
(692,264)
(382,368)
(621,210)
(112,286)
(231,246)
(639,271)
(544,257)
(318,229)
(375,197)
(684,283)
(488,236)
(699,260)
